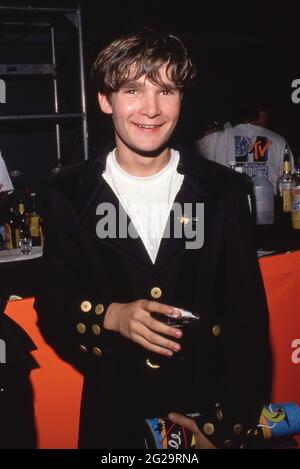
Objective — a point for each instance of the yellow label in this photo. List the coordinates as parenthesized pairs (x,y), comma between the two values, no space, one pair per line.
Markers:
(21,208)
(34,225)
(296,209)
(286,200)
(286,167)
(296,222)
(18,237)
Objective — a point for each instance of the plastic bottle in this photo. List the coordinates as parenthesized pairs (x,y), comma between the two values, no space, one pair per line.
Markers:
(240,168)
(264,199)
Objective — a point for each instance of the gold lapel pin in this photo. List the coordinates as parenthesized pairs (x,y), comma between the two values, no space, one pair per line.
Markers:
(185,220)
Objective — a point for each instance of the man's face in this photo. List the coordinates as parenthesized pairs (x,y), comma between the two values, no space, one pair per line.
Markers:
(144,114)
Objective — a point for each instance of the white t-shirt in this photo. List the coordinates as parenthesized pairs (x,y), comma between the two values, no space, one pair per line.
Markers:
(250,144)
(5,182)
(146,200)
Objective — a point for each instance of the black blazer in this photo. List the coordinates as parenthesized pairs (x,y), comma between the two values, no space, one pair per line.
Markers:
(228,379)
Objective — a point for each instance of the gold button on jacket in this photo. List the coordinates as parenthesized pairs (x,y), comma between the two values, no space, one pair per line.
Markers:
(96,329)
(250,432)
(83,348)
(208,428)
(155,292)
(219,413)
(99,309)
(86,306)
(81,328)
(97,351)
(237,429)
(216,330)
(228,443)
(154,366)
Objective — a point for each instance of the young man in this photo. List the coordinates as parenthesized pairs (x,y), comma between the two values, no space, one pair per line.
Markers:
(123,244)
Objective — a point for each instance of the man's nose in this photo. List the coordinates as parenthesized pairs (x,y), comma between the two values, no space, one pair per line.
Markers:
(150,105)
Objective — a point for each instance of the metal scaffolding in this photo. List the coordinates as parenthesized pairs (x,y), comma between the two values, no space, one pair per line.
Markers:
(74,16)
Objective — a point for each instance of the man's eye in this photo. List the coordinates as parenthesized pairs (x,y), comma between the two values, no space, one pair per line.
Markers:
(131,91)
(167,92)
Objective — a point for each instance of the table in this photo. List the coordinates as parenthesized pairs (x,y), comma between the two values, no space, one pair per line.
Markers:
(20,274)
(14,255)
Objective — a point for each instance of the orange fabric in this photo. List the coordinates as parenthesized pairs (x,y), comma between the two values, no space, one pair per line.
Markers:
(281,275)
(57,386)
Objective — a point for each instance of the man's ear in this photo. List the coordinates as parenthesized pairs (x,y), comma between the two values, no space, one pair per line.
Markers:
(104,103)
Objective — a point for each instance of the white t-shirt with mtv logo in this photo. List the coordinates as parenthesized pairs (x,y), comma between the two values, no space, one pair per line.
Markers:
(250,144)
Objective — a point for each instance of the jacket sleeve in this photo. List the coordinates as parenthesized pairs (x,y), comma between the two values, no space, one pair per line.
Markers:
(243,336)
(70,315)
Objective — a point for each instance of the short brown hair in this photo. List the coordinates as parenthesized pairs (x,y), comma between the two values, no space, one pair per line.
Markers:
(143,53)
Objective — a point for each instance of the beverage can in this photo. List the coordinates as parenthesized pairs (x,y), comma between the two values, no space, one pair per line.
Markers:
(161,433)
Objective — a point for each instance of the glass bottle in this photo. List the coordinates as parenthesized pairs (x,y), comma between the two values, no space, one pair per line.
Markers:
(23,239)
(295,192)
(34,220)
(284,184)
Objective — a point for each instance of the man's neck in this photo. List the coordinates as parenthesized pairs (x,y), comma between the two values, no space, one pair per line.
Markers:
(140,165)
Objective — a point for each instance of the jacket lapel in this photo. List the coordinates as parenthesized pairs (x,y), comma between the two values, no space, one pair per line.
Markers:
(185,218)
(94,190)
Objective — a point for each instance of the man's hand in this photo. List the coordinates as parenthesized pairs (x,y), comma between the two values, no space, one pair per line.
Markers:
(134,321)
(189,424)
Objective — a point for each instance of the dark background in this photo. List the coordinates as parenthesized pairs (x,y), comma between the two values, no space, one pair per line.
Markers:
(240,48)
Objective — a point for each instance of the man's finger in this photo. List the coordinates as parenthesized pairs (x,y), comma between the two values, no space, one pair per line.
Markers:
(185,422)
(151,347)
(201,441)
(156,307)
(153,339)
(161,328)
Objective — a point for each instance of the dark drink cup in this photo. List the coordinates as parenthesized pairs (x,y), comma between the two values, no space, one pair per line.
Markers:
(188,323)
